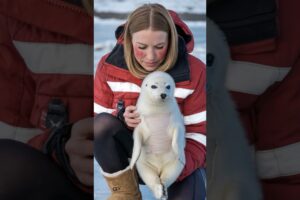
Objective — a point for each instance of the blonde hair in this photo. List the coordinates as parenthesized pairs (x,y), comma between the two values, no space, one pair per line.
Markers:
(156,17)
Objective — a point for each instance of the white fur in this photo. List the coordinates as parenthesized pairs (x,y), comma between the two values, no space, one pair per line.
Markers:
(159,170)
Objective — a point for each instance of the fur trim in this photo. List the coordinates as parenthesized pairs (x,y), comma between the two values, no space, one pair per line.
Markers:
(108,175)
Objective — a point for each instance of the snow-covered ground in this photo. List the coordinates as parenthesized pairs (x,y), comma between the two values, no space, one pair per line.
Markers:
(104,40)
(191,6)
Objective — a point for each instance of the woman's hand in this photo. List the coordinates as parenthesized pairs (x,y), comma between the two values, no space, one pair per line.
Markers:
(80,150)
(131,116)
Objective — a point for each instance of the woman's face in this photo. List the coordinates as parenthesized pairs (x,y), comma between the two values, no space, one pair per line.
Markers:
(150,48)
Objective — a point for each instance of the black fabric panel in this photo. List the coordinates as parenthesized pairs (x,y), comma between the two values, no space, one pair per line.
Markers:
(181,70)
(187,38)
(116,57)
(75,2)
(245,21)
(119,31)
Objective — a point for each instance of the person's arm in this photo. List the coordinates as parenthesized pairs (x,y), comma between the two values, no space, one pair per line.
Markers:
(71,146)
(103,96)
(194,112)
(62,144)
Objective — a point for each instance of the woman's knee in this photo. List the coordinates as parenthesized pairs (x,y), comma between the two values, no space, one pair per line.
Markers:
(104,125)
(192,187)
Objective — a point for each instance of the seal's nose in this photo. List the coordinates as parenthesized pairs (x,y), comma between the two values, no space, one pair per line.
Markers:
(163,95)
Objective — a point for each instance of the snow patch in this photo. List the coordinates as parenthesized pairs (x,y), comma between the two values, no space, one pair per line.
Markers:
(123,6)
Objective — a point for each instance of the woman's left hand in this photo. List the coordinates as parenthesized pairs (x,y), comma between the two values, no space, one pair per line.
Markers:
(80,150)
(131,116)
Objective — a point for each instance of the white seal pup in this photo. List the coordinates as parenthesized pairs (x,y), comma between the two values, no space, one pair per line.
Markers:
(159,139)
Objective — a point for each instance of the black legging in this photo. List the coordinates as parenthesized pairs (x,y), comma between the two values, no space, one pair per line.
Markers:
(28,174)
(113,147)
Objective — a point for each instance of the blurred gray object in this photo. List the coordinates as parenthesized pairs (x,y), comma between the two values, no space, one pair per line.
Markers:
(231,171)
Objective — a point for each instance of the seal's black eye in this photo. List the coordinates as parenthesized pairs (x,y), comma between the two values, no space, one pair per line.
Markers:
(153,86)
(168,87)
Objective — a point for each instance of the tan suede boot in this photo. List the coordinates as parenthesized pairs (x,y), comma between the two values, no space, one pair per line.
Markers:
(123,185)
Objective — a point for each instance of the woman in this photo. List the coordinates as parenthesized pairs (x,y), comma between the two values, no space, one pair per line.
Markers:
(42,83)
(152,39)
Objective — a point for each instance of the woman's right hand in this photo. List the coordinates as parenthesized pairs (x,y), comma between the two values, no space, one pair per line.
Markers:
(131,116)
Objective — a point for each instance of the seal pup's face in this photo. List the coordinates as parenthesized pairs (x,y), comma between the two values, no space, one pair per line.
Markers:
(158,87)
